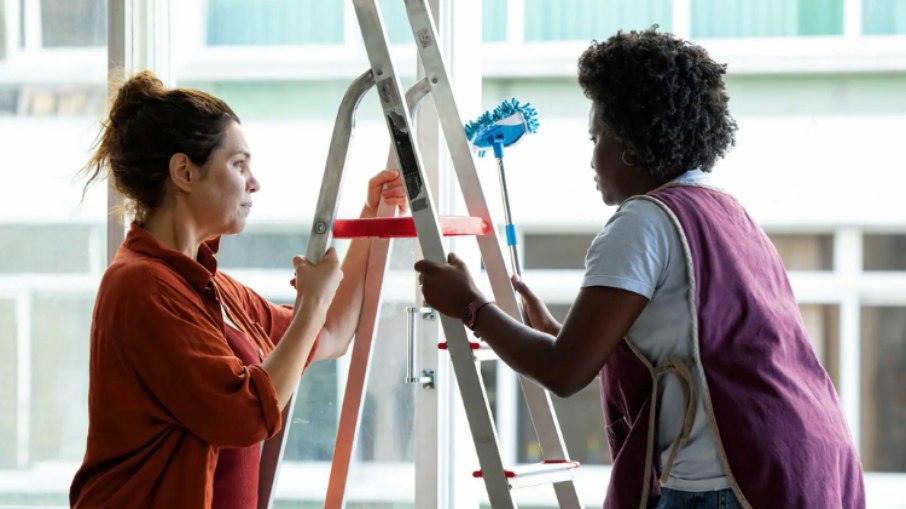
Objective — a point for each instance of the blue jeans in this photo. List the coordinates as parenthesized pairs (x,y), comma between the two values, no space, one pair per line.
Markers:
(674,499)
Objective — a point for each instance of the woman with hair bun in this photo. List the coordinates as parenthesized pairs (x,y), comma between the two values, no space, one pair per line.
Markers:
(712,394)
(190,369)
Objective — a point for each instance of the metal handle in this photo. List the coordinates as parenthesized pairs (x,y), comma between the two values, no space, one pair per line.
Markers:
(427,378)
(511,239)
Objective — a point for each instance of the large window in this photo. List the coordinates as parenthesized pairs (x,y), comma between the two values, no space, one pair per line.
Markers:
(284,65)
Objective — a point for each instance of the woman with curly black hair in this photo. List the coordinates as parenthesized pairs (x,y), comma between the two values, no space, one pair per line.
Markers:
(712,394)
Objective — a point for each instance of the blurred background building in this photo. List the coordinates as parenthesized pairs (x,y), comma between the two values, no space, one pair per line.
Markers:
(818,88)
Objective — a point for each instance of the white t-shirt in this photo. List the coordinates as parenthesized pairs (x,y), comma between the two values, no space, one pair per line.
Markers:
(639,250)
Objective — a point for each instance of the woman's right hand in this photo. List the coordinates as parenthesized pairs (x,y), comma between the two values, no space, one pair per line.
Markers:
(318,282)
(537,316)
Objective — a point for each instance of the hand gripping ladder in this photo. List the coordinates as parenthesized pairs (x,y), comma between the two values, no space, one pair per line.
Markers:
(556,468)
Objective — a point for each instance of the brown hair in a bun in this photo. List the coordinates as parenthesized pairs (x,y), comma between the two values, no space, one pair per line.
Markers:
(146,126)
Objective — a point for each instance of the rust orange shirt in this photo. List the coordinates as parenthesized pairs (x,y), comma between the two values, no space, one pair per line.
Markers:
(166,391)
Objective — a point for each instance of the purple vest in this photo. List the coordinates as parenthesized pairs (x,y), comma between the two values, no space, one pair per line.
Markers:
(780,435)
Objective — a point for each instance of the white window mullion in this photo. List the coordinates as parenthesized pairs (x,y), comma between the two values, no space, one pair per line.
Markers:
(455,451)
(119,52)
(508,394)
(352,37)
(138,38)
(11,16)
(848,267)
(23,378)
(32,25)
(189,33)
(515,23)
(682,18)
(852,19)
(151,23)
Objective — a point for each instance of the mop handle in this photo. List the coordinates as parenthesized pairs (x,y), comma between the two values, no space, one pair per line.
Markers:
(511,240)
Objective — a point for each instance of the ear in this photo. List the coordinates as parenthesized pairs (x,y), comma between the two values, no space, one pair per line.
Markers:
(182,172)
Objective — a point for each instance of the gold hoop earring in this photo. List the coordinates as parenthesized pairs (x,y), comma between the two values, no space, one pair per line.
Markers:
(625,161)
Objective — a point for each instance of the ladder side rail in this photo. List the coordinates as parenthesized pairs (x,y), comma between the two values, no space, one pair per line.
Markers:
(272,450)
(359,368)
(334,170)
(537,399)
(366,333)
(429,235)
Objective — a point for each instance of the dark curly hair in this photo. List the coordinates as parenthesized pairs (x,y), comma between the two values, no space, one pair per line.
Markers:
(662,97)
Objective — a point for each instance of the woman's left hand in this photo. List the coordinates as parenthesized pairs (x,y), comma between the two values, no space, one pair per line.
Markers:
(447,287)
(388,186)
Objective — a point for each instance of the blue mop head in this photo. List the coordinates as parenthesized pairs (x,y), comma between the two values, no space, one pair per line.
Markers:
(502,127)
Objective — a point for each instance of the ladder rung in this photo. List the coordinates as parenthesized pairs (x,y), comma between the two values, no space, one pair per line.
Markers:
(480,351)
(546,472)
(387,227)
(474,345)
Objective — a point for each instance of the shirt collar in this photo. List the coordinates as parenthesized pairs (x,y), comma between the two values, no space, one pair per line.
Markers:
(693,176)
(198,272)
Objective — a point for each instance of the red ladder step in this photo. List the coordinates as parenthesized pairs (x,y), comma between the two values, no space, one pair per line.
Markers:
(387,227)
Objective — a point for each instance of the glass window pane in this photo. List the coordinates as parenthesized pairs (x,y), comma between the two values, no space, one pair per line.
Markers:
(556,251)
(884,252)
(396,22)
(279,99)
(822,322)
(592,19)
(9,373)
(73,23)
(385,450)
(262,250)
(883,379)
(805,251)
(274,22)
(494,20)
(883,17)
(59,387)
(766,18)
(581,421)
(2,31)
(9,100)
(310,412)
(33,248)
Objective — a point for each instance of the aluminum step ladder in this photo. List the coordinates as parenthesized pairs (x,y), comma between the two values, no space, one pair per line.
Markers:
(556,468)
